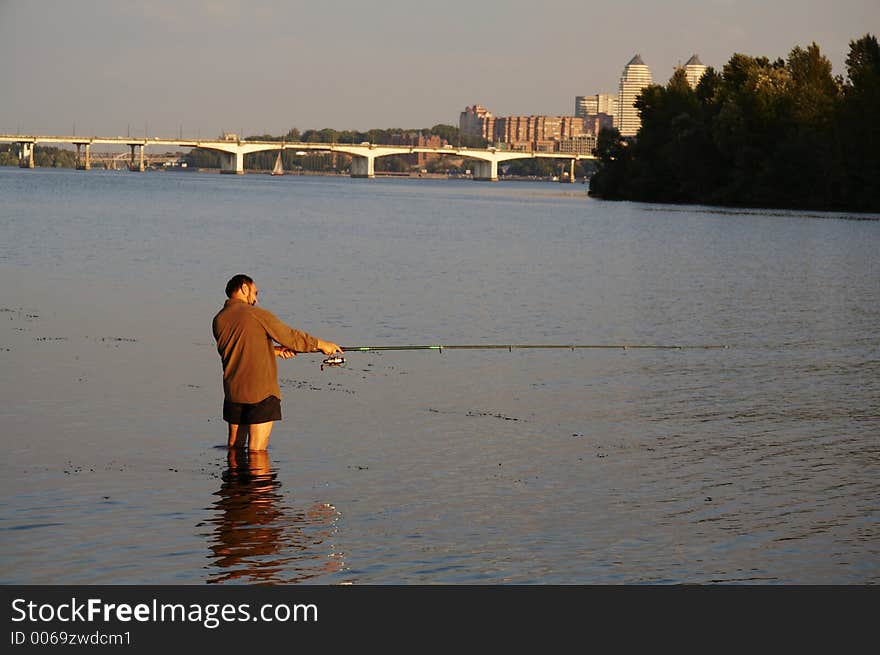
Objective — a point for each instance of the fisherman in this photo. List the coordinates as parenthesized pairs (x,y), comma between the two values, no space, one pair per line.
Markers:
(246,336)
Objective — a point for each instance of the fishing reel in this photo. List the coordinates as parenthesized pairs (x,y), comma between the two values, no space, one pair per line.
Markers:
(333,360)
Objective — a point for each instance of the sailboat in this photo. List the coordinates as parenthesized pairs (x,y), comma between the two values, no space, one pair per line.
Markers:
(279,168)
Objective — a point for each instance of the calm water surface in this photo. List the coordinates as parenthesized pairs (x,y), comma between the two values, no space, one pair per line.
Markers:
(758,463)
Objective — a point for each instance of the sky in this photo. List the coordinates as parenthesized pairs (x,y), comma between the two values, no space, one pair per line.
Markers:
(198,67)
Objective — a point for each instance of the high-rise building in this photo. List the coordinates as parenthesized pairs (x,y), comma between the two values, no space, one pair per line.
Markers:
(477,121)
(694,70)
(540,133)
(636,76)
(598,103)
(536,132)
(579,145)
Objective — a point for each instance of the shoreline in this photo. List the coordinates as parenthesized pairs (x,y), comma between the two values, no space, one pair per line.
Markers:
(411,175)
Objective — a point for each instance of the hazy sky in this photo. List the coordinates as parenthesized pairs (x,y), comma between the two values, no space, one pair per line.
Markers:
(110,67)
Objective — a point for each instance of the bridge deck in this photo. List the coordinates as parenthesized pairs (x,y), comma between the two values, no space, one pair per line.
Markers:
(357,149)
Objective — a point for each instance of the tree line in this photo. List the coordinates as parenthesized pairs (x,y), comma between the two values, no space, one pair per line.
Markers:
(783,133)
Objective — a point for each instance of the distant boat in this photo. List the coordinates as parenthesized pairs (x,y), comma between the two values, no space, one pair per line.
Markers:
(279,168)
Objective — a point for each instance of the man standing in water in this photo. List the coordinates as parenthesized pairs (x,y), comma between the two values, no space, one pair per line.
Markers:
(246,336)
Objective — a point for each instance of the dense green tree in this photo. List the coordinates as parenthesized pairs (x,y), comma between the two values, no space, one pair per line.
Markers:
(202,158)
(377,136)
(8,154)
(263,137)
(391,164)
(802,168)
(54,157)
(814,91)
(446,132)
(44,156)
(858,126)
(540,168)
(612,164)
(444,165)
(767,133)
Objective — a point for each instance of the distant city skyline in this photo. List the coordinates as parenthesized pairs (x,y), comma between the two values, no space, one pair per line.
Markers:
(199,67)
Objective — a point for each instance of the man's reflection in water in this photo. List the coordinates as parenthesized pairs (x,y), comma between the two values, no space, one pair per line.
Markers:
(256,539)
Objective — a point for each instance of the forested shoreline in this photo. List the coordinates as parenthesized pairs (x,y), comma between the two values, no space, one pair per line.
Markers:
(781,134)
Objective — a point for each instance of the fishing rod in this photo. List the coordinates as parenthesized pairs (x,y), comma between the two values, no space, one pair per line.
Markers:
(560,346)
(337,360)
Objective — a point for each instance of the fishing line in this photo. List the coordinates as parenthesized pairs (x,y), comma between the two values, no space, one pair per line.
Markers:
(338,360)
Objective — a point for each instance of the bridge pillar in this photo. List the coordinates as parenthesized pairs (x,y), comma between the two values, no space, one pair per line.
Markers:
(139,164)
(232,163)
(485,171)
(83,163)
(570,177)
(26,155)
(363,166)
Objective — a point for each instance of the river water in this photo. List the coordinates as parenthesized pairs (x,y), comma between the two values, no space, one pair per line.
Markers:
(757,463)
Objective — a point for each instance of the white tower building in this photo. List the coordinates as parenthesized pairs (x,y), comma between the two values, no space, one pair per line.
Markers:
(694,70)
(636,76)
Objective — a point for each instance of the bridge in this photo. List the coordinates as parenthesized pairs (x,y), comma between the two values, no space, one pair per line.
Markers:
(233,150)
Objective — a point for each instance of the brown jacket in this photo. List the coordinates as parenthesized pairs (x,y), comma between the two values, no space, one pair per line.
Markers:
(246,337)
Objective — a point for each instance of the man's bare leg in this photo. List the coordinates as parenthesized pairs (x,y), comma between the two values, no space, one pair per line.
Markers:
(259,435)
(238,436)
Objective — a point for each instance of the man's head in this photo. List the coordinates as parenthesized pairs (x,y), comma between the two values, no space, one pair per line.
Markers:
(243,288)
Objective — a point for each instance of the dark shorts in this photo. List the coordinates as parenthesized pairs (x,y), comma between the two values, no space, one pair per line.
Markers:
(268,409)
